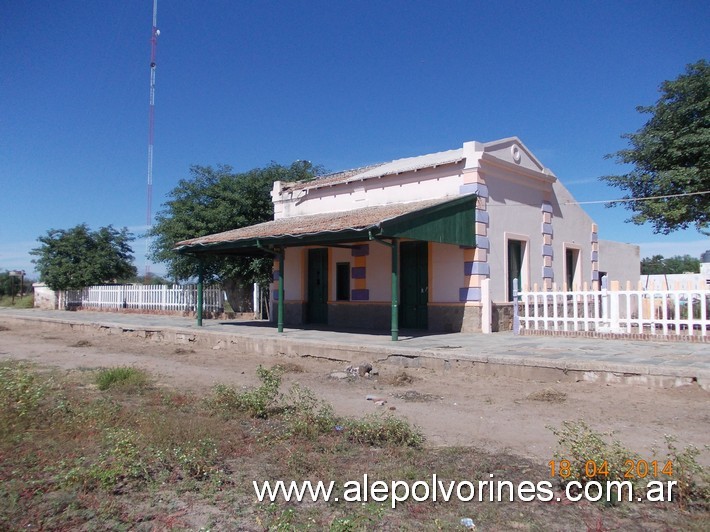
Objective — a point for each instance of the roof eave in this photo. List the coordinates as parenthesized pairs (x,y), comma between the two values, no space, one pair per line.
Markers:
(261,245)
(314,185)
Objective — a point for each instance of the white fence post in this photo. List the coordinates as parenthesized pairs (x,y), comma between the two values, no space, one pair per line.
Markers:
(605,323)
(516,316)
(614,297)
(487,307)
(256,301)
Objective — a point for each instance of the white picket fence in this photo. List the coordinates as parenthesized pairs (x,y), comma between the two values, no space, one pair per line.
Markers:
(174,298)
(613,310)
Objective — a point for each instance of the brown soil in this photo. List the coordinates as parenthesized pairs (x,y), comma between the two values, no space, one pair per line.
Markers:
(452,407)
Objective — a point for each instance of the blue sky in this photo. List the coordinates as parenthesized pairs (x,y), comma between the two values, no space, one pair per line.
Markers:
(342,84)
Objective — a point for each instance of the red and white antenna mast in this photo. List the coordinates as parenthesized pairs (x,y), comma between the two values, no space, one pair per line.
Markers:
(151,119)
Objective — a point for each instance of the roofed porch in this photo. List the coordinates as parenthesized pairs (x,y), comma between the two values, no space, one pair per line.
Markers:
(442,221)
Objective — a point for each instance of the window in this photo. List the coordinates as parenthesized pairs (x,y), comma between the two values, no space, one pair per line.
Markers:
(342,281)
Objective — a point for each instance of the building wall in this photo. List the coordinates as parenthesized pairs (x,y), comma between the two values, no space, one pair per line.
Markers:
(514,209)
(705,266)
(294,266)
(446,272)
(573,229)
(538,214)
(429,183)
(620,261)
(379,272)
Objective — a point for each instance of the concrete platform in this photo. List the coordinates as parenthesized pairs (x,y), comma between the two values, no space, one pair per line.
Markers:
(647,363)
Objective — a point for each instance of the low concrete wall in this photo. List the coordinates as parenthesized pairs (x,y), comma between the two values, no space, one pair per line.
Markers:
(396,354)
(360,316)
(45,297)
(454,318)
(502,317)
(294,313)
(378,316)
(442,318)
(208,315)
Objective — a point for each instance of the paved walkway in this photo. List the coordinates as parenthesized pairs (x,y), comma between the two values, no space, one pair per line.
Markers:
(605,360)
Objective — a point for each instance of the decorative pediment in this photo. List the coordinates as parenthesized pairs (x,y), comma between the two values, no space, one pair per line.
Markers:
(512,156)
(514,151)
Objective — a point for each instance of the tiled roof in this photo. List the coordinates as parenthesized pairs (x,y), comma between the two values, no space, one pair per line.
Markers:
(379,170)
(331,222)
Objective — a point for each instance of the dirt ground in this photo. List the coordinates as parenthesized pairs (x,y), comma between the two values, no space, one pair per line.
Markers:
(451,407)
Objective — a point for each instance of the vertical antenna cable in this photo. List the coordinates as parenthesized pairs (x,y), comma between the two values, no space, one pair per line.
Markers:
(151,117)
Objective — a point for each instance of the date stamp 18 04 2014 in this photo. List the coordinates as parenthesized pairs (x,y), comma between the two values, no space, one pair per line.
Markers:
(631,470)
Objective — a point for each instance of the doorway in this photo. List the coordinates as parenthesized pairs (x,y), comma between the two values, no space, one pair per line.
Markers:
(317,304)
(572,274)
(414,285)
(516,249)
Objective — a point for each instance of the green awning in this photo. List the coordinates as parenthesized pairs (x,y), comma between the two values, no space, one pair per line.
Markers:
(443,220)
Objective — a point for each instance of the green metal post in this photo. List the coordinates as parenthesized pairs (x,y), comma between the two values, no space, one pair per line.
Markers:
(200,283)
(395,291)
(280,322)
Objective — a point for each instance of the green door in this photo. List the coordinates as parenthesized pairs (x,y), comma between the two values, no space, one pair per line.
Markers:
(317,304)
(414,285)
(515,265)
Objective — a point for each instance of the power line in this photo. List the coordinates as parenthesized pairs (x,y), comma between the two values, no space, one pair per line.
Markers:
(646,198)
(622,200)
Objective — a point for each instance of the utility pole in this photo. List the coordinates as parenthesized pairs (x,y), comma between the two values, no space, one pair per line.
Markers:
(21,275)
(151,119)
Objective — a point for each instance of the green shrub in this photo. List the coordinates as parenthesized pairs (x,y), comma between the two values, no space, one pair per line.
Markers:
(307,415)
(383,430)
(693,488)
(198,459)
(122,377)
(121,461)
(587,451)
(258,402)
(21,394)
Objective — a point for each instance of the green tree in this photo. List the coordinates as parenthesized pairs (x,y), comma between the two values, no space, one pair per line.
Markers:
(11,286)
(653,265)
(78,257)
(670,155)
(214,200)
(8,284)
(677,264)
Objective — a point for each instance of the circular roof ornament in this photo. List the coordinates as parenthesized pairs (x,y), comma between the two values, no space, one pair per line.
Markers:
(516,153)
